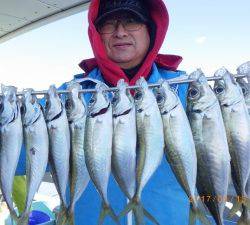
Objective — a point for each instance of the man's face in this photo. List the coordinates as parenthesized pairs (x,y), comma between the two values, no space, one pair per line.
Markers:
(125,39)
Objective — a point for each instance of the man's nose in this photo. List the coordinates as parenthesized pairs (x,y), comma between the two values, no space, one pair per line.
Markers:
(120,31)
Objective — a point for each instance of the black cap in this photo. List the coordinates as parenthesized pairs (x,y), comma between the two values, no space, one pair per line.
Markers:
(135,7)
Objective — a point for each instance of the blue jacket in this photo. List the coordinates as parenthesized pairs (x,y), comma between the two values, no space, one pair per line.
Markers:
(163,197)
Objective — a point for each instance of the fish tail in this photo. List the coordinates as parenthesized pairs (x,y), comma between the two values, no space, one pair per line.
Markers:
(62,217)
(139,215)
(246,203)
(14,216)
(237,204)
(195,213)
(138,211)
(243,221)
(245,217)
(23,219)
(71,218)
(105,211)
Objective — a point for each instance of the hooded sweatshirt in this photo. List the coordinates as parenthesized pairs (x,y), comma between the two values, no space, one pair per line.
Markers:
(111,72)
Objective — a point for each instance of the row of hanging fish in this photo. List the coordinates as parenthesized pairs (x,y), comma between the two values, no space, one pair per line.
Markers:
(204,146)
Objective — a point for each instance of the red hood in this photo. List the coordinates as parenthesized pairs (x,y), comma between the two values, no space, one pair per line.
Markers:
(111,72)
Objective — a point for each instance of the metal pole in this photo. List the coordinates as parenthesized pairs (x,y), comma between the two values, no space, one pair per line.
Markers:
(113,89)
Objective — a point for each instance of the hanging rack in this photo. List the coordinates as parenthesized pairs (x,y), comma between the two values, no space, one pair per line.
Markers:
(113,89)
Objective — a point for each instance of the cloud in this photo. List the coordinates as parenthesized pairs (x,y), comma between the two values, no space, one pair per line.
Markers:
(201,40)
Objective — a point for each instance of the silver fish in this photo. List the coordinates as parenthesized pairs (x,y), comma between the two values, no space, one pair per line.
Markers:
(59,143)
(11,138)
(98,147)
(37,147)
(237,124)
(213,158)
(244,69)
(124,140)
(245,218)
(151,144)
(79,176)
(246,92)
(179,145)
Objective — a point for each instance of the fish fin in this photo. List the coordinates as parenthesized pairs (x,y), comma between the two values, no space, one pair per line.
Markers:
(62,217)
(138,211)
(127,209)
(243,222)
(107,210)
(14,216)
(195,213)
(245,218)
(139,215)
(246,202)
(192,217)
(150,217)
(23,219)
(71,218)
(236,207)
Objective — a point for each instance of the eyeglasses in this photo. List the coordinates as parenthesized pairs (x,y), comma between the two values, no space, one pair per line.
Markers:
(110,26)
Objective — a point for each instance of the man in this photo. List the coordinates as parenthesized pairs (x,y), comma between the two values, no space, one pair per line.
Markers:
(126,36)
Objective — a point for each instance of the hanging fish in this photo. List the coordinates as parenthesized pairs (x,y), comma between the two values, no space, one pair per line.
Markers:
(150,147)
(59,144)
(124,140)
(245,87)
(245,216)
(237,124)
(79,176)
(11,138)
(98,147)
(244,69)
(37,148)
(179,146)
(213,159)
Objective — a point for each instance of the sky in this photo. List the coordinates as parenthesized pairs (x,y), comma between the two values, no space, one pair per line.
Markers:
(208,34)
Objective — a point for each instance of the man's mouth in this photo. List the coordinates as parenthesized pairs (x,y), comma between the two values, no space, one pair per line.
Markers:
(122,45)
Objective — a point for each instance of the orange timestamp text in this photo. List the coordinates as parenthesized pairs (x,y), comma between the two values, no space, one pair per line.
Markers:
(217,198)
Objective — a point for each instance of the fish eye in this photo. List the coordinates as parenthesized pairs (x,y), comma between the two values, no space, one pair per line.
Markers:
(92,101)
(1,107)
(160,98)
(244,91)
(218,89)
(47,104)
(68,104)
(115,99)
(23,109)
(138,95)
(193,92)
(33,100)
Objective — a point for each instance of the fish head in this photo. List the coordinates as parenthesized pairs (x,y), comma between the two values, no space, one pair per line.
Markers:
(227,89)
(244,69)
(166,98)
(122,100)
(30,108)
(99,102)
(200,94)
(8,104)
(53,105)
(144,97)
(245,87)
(75,104)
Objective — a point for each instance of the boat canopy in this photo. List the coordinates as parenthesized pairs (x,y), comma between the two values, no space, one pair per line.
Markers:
(18,17)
